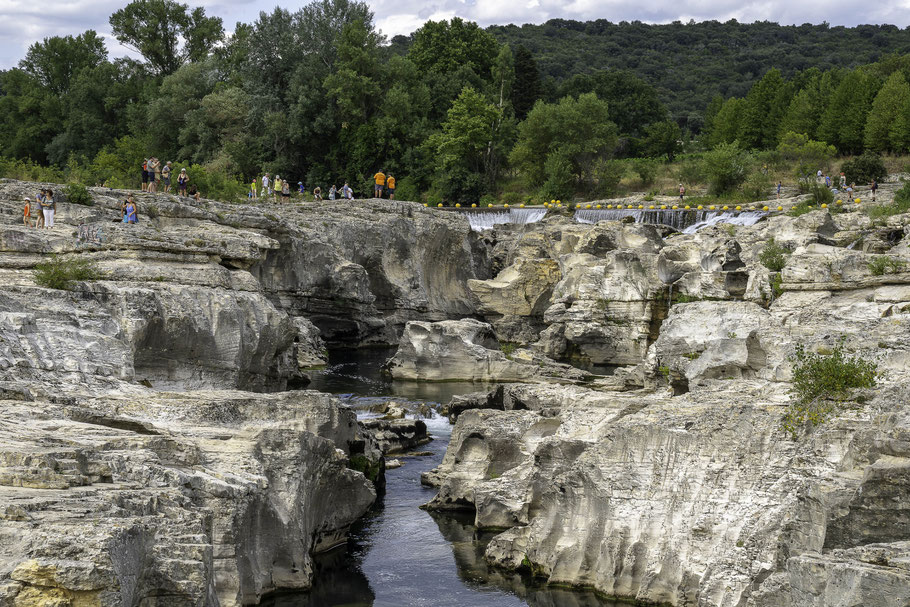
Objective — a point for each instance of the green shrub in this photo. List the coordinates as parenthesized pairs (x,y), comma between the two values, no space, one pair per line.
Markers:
(773,256)
(820,194)
(59,273)
(646,169)
(886,265)
(725,167)
(487,199)
(608,174)
(758,186)
(512,198)
(76,193)
(865,168)
(822,381)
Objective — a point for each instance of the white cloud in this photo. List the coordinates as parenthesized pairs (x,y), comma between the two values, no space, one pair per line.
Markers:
(23,22)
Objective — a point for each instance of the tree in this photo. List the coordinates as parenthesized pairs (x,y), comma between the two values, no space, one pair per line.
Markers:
(844,121)
(725,167)
(663,139)
(579,130)
(444,47)
(527,87)
(155,29)
(461,146)
(725,126)
(798,149)
(762,111)
(887,106)
(56,61)
(634,104)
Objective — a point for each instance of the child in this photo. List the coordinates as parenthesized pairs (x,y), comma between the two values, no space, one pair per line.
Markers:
(27,218)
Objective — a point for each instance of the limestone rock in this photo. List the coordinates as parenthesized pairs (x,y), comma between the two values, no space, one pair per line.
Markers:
(206,498)
(463,350)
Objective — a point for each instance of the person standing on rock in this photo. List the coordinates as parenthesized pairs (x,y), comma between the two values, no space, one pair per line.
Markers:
(317,194)
(130,211)
(145,175)
(779,186)
(27,218)
(346,192)
(379,180)
(286,191)
(48,208)
(874,187)
(166,177)
(154,170)
(39,199)
(265,186)
(390,184)
(182,180)
(253,189)
(332,191)
(682,192)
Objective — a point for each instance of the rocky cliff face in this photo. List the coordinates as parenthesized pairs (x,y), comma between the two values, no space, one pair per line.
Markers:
(196,498)
(670,480)
(687,491)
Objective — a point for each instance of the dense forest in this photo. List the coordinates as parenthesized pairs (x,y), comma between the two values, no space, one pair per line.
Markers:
(456,112)
(691,63)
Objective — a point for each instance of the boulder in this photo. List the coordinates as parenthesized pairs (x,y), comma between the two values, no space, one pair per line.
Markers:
(465,350)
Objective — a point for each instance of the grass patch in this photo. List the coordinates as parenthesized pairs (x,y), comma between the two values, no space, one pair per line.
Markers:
(886,265)
(801,209)
(59,273)
(822,383)
(901,204)
(508,348)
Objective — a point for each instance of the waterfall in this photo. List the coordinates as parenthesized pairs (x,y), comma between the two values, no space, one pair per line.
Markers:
(736,218)
(687,222)
(485,220)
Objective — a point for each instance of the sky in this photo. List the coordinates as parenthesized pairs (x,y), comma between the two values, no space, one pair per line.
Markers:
(23,22)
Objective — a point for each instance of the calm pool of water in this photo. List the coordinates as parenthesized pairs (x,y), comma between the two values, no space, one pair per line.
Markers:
(399,555)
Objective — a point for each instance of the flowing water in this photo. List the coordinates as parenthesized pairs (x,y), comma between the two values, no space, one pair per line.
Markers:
(687,222)
(399,555)
(485,220)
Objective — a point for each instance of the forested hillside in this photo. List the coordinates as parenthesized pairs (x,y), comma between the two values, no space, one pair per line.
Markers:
(690,63)
(456,112)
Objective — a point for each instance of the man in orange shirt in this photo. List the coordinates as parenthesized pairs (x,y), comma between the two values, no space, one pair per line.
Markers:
(390,184)
(379,178)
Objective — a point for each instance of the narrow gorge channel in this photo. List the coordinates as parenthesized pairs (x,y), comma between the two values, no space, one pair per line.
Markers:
(400,554)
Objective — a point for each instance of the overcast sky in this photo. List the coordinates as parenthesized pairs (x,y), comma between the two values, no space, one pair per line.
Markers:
(23,22)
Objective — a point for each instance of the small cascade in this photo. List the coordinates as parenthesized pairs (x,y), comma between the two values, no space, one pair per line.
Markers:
(486,220)
(687,222)
(736,218)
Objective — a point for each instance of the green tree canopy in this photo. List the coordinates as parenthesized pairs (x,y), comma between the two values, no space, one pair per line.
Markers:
(579,129)
(56,61)
(634,104)
(166,33)
(890,102)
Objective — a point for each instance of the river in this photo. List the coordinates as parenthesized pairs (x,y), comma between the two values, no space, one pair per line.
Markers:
(399,555)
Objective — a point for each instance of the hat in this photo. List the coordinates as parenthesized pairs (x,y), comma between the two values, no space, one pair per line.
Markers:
(27,199)
(299,183)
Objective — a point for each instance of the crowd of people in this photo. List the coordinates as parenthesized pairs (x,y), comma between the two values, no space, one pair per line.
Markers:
(269,187)
(156,175)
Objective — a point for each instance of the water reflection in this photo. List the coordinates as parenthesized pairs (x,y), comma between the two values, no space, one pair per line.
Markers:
(399,555)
